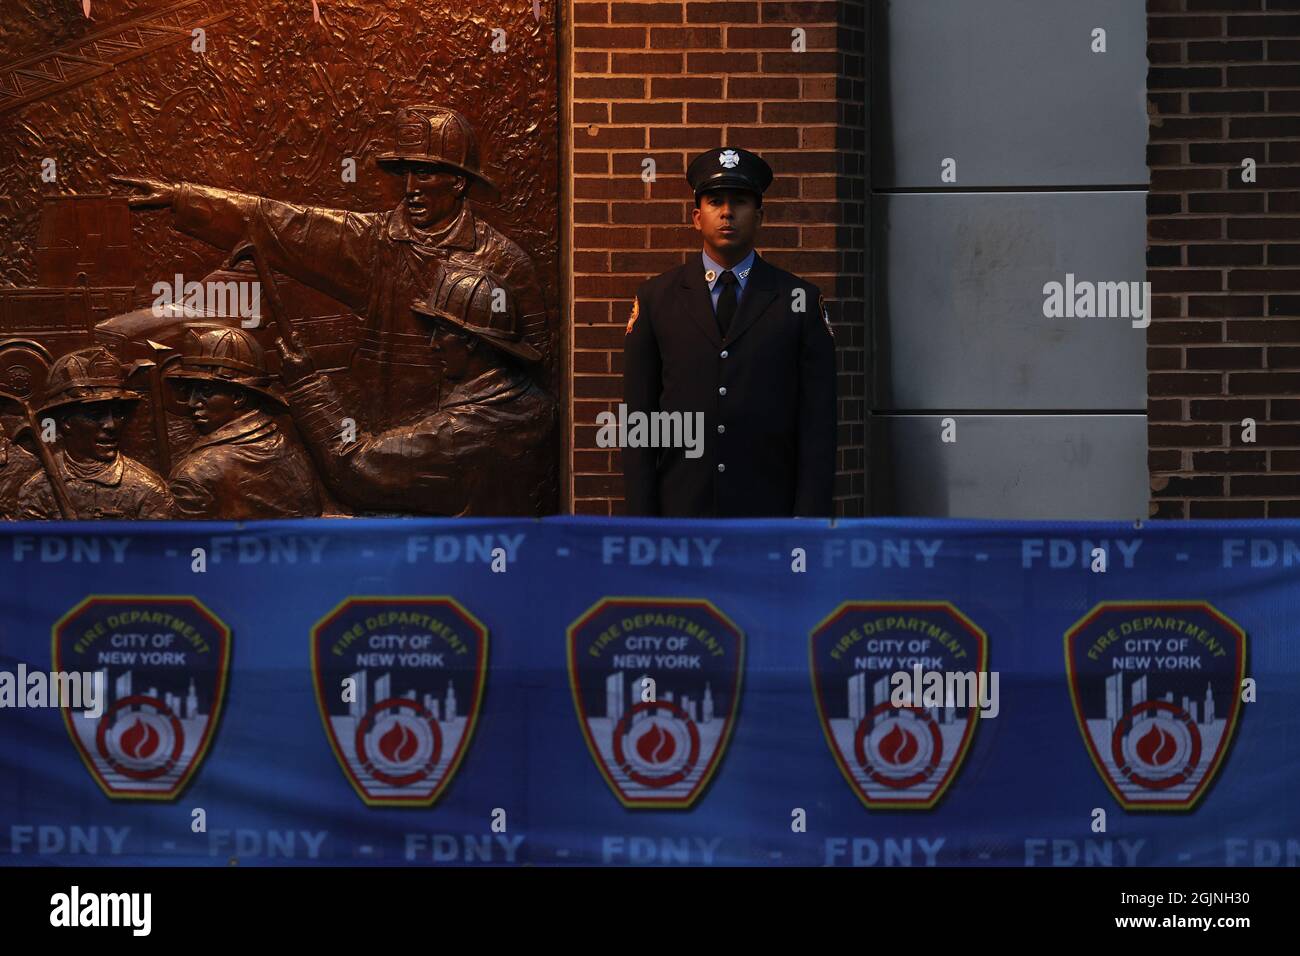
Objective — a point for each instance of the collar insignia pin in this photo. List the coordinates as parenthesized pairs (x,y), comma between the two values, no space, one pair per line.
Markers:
(710,276)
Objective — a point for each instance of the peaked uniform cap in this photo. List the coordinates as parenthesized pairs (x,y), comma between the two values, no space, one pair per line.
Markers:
(729,167)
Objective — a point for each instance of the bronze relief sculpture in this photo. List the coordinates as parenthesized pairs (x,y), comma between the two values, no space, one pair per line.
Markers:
(477,452)
(426,390)
(242,465)
(87,399)
(377,263)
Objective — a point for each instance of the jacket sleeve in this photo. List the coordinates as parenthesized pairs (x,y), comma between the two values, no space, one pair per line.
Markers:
(642,368)
(518,273)
(411,467)
(36,499)
(818,419)
(328,249)
(193,500)
(191,490)
(158,505)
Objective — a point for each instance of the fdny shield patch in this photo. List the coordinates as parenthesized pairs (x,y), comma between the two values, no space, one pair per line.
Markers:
(165,661)
(399,682)
(1156,688)
(636,311)
(656,683)
(897,758)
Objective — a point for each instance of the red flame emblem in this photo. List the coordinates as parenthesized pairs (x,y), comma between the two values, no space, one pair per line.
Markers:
(398,743)
(656,745)
(139,741)
(1157,746)
(898,746)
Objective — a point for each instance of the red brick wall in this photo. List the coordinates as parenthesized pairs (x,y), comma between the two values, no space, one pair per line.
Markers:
(668,81)
(1224,257)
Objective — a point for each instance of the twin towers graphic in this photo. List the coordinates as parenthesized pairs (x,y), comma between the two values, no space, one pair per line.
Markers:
(185,708)
(443,710)
(880,692)
(1138,695)
(619,699)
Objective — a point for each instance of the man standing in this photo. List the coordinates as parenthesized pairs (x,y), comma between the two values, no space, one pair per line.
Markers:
(377,263)
(480,454)
(749,345)
(86,395)
(242,465)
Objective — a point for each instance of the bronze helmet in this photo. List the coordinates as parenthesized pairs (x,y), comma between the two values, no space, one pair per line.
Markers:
(464,297)
(84,376)
(220,353)
(439,136)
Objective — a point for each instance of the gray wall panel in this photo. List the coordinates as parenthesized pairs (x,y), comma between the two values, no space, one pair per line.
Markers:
(1011,466)
(958,290)
(1011,90)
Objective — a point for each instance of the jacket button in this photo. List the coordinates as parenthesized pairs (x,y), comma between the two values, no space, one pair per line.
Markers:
(724,353)
(722,390)
(721,467)
(722,429)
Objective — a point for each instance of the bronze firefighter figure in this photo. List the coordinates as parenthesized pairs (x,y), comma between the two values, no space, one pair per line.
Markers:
(16,466)
(376,263)
(481,453)
(87,398)
(242,466)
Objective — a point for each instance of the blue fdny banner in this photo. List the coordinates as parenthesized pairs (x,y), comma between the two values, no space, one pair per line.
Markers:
(596,691)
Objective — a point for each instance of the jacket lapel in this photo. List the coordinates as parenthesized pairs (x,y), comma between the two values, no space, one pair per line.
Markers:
(699,303)
(760,290)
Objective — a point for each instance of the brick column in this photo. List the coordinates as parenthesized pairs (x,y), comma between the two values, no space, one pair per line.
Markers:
(667,81)
(1223,257)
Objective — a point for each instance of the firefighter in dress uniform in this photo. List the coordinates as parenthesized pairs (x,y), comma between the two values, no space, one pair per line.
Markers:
(747,344)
